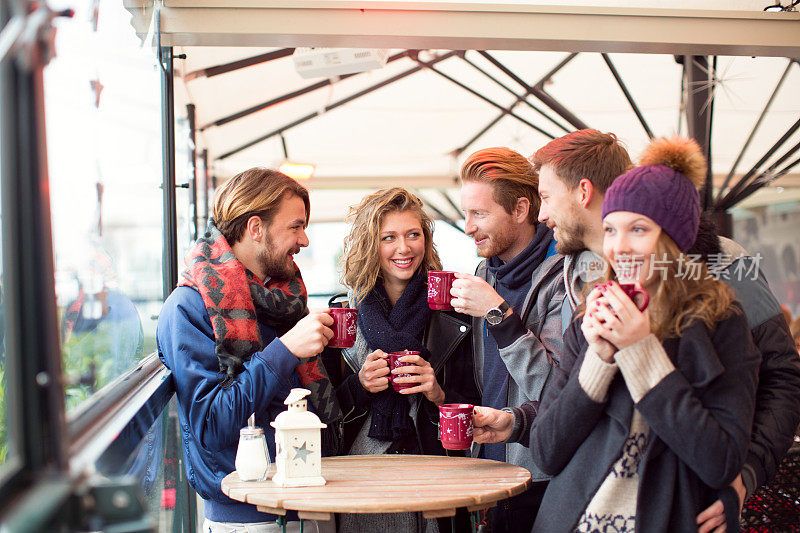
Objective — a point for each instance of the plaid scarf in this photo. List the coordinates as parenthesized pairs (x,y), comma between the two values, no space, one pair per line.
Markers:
(225,284)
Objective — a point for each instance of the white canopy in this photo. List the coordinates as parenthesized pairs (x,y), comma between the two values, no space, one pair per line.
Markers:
(415,131)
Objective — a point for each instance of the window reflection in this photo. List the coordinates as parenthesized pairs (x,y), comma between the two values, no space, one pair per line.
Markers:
(102,105)
(6,443)
(101,332)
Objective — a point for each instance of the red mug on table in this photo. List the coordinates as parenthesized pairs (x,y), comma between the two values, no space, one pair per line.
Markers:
(455,425)
(395,362)
(637,294)
(439,283)
(344,327)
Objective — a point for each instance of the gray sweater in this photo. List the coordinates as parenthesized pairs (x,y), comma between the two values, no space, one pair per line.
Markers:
(529,345)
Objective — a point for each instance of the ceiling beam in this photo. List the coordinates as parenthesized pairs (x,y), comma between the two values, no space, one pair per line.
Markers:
(289,96)
(777,88)
(217,70)
(538,89)
(441,181)
(378,182)
(336,104)
(628,96)
(479,26)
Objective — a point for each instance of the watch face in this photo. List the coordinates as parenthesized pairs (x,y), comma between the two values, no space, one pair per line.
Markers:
(494,316)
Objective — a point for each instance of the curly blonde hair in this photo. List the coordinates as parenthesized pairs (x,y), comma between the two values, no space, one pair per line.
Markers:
(678,299)
(361,263)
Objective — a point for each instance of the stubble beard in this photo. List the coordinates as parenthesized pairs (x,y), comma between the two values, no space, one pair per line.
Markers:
(497,244)
(276,264)
(573,236)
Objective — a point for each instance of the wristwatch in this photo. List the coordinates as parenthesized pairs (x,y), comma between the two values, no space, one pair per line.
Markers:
(495,315)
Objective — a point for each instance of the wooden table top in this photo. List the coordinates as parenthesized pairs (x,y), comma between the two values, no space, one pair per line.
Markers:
(435,485)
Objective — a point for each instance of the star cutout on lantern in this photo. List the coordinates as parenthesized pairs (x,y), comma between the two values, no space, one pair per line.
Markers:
(302,452)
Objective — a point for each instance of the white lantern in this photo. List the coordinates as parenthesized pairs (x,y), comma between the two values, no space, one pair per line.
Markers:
(298,444)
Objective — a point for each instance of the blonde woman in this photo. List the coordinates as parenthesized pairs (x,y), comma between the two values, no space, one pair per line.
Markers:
(387,255)
(653,422)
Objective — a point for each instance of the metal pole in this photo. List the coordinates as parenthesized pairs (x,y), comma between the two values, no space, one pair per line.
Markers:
(288,96)
(206,185)
(450,201)
(767,177)
(708,190)
(757,184)
(236,65)
(484,98)
(193,169)
(753,131)
(32,348)
(628,95)
(726,201)
(520,98)
(458,151)
(538,90)
(439,212)
(169,260)
(700,97)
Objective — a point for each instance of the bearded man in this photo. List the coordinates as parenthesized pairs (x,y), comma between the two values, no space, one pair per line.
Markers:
(515,298)
(237,336)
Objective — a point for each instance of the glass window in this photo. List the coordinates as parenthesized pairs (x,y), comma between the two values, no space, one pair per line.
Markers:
(6,442)
(7,448)
(102,105)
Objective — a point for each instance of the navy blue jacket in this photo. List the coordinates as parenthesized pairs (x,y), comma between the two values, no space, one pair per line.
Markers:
(699,416)
(210,416)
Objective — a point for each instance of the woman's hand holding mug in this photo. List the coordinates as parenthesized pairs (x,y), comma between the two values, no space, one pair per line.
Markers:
(374,373)
(623,324)
(420,373)
(592,326)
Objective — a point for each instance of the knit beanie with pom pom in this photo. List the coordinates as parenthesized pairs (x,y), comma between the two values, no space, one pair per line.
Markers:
(664,188)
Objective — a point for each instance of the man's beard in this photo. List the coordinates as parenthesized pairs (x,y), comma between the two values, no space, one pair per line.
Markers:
(276,264)
(571,236)
(497,243)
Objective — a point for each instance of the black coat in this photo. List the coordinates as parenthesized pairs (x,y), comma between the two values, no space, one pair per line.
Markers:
(447,337)
(699,416)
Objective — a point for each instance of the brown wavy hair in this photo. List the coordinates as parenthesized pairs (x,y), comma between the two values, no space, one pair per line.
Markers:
(679,301)
(596,156)
(361,263)
(257,191)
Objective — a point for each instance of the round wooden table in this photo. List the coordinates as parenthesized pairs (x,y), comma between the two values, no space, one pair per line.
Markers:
(434,485)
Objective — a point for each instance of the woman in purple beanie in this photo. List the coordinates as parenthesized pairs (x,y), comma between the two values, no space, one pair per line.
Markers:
(653,419)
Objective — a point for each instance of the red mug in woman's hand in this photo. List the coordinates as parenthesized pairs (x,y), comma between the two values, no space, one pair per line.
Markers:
(637,294)
(394,362)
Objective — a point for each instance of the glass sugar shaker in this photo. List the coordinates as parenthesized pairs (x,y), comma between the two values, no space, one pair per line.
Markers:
(252,455)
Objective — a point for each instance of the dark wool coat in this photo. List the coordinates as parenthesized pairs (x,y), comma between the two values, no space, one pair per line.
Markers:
(448,340)
(699,416)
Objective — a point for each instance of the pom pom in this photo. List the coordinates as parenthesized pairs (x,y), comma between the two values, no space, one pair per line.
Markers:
(680,154)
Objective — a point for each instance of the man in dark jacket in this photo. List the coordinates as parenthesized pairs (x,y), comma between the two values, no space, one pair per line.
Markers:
(515,300)
(218,333)
(571,195)
(777,412)
(574,172)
